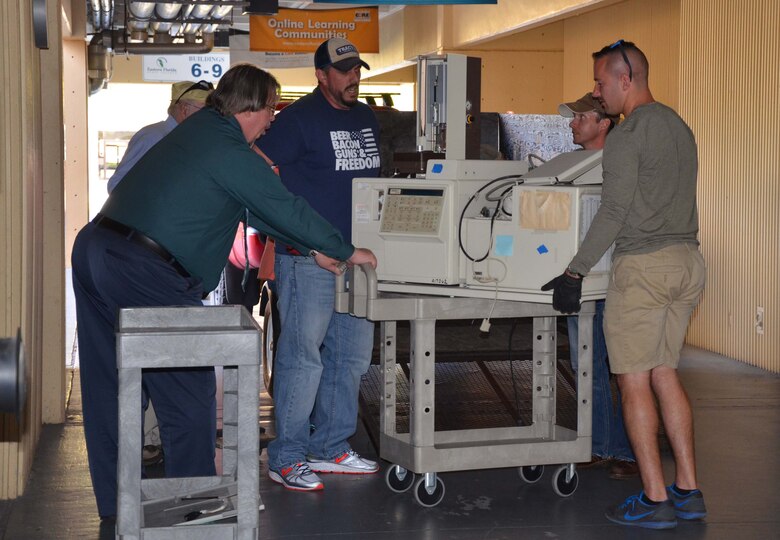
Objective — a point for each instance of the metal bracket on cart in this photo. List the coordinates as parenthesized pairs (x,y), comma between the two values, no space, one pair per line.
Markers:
(427,452)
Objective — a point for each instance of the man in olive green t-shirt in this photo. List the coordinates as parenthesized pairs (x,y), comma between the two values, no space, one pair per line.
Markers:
(648,210)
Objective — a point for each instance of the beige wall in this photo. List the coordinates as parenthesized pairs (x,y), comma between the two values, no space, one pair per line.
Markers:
(729,93)
(520,81)
(31,216)
(539,52)
(534,70)
(474,23)
(75,121)
(522,72)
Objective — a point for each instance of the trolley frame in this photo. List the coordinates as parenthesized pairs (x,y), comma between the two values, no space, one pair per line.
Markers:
(424,450)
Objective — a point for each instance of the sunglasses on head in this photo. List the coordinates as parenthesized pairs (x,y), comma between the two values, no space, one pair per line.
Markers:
(620,44)
(200,85)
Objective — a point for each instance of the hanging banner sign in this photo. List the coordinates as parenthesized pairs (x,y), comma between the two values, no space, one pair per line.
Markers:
(302,30)
(409,2)
(185,67)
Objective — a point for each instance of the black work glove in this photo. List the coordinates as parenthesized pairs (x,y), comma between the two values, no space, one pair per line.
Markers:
(567,291)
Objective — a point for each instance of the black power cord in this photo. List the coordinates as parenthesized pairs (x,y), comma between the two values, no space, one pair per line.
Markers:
(496,210)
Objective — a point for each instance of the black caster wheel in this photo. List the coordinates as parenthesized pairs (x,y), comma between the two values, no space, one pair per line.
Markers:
(531,474)
(399,479)
(561,487)
(424,497)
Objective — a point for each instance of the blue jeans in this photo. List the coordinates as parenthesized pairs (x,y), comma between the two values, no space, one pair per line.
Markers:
(609,433)
(320,358)
(109,273)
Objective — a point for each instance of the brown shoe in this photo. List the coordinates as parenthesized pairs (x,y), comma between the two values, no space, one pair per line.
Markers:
(623,470)
(595,461)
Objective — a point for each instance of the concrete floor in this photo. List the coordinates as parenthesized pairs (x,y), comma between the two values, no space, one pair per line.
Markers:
(737,414)
(737,420)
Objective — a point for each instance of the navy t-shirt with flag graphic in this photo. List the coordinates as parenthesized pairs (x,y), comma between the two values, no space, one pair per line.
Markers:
(319,150)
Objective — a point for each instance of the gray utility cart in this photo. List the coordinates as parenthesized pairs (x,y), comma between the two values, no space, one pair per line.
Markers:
(425,451)
(213,507)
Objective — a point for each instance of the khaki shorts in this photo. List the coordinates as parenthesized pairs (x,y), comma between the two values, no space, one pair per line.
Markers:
(649,303)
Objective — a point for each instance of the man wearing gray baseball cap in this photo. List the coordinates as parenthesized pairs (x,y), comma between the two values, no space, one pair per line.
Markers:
(587,125)
(320,143)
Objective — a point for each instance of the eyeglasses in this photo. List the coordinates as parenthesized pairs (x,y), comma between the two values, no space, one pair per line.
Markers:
(620,44)
(271,108)
(200,85)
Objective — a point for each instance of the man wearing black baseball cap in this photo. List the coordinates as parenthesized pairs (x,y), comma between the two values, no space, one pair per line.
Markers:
(320,143)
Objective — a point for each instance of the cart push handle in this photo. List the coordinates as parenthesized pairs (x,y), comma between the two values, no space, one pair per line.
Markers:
(356,300)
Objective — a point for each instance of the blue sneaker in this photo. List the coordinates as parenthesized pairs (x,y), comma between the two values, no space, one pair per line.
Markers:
(690,506)
(635,513)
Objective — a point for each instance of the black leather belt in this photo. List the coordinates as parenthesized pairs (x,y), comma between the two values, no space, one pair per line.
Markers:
(142,240)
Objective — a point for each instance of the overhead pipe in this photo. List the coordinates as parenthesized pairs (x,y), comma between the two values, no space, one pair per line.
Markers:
(190,29)
(98,63)
(167,11)
(219,12)
(164,32)
(162,29)
(97,24)
(197,11)
(175,29)
(167,48)
(138,23)
(107,13)
(122,46)
(192,11)
(140,10)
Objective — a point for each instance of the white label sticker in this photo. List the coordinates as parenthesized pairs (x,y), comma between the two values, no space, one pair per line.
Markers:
(362,214)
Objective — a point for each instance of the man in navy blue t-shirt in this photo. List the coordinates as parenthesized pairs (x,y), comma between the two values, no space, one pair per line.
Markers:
(320,143)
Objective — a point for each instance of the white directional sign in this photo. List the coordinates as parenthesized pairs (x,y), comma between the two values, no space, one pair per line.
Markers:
(185,67)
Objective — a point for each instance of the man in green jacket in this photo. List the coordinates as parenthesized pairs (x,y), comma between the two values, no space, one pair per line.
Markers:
(162,239)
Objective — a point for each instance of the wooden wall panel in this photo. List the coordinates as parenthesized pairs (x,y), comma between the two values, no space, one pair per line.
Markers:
(31,229)
(52,223)
(21,210)
(729,94)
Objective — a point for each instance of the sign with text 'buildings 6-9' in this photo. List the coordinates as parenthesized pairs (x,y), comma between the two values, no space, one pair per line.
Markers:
(185,67)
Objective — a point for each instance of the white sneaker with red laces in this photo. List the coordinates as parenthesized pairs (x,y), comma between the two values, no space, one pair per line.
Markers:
(298,477)
(349,462)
